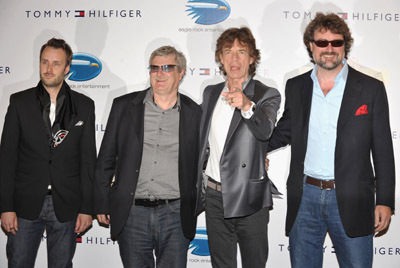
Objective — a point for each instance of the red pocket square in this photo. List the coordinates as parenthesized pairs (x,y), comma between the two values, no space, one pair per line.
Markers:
(362,110)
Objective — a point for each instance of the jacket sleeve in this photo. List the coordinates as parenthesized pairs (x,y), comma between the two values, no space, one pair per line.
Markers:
(382,150)
(106,164)
(9,157)
(281,135)
(88,161)
(262,122)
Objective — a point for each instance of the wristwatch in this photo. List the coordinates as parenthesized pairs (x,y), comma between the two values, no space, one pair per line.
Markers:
(250,112)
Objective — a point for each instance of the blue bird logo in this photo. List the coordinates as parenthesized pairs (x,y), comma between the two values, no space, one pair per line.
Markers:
(208,12)
(84,67)
(200,243)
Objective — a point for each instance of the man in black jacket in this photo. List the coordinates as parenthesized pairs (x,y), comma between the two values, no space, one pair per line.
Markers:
(145,182)
(47,160)
(335,118)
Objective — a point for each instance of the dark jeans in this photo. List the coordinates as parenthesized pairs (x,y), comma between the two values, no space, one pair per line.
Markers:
(318,214)
(154,231)
(22,248)
(250,232)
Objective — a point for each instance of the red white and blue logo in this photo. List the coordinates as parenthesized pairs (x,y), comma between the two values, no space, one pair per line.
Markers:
(208,12)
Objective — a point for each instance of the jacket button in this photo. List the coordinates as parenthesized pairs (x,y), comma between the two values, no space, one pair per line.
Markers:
(137,170)
(51,162)
(243,165)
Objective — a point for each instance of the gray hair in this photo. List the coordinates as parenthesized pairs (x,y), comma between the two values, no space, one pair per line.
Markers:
(165,51)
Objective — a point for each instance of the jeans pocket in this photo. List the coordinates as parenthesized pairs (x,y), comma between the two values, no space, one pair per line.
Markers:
(175,207)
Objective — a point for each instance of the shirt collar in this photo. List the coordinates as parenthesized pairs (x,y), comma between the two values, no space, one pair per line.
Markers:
(149,98)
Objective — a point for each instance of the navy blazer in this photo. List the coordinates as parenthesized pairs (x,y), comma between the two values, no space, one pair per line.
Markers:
(357,182)
(121,155)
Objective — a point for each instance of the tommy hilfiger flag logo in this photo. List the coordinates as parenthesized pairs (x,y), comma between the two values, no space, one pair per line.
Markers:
(78,239)
(59,137)
(79,13)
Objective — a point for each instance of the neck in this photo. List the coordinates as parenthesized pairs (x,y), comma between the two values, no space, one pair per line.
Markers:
(53,92)
(165,102)
(328,74)
(326,78)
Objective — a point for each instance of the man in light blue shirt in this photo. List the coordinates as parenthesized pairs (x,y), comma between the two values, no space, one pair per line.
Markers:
(335,118)
(319,161)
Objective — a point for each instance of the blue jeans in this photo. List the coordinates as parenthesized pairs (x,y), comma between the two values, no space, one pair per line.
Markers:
(154,230)
(61,240)
(318,214)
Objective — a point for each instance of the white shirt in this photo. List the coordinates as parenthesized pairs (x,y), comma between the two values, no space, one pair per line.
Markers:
(52,113)
(220,123)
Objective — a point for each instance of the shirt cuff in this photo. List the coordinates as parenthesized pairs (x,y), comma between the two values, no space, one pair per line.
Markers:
(248,114)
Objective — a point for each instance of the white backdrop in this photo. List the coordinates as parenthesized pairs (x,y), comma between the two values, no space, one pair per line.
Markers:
(120,35)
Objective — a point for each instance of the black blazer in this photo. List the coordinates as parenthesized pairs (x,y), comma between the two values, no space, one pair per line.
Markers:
(27,163)
(246,187)
(357,182)
(121,154)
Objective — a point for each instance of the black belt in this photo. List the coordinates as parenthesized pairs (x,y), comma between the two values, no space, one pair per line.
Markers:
(323,184)
(153,203)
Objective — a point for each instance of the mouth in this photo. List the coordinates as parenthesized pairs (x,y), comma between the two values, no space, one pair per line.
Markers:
(329,55)
(235,68)
(161,78)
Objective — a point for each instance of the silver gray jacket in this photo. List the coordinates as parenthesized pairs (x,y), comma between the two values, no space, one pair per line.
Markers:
(246,187)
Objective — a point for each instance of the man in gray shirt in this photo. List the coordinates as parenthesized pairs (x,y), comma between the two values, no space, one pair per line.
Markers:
(146,169)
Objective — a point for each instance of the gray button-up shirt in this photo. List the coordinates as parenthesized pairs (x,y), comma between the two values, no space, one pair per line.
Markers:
(158,177)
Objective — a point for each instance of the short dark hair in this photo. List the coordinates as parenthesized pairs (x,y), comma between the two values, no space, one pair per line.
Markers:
(244,37)
(331,22)
(58,43)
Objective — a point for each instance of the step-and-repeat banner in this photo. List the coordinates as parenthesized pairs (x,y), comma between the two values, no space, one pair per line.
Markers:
(116,39)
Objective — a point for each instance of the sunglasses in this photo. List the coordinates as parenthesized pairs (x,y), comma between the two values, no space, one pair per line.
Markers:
(325,43)
(165,68)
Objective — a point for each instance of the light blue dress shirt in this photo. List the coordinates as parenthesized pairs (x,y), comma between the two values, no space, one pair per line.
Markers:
(320,156)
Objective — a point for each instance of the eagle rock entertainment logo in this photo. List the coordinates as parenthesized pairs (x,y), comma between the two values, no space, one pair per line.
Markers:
(84,67)
(208,12)
(199,244)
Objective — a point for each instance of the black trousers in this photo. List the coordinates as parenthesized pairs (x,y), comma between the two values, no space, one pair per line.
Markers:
(250,232)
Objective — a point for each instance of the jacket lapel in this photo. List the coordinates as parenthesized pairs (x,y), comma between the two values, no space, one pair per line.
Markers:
(306,104)
(36,115)
(185,117)
(137,114)
(211,102)
(350,96)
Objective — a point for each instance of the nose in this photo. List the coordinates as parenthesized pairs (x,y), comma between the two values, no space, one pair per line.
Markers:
(159,71)
(329,47)
(235,55)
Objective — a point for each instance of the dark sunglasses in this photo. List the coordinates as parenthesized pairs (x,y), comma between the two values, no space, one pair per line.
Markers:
(325,43)
(165,68)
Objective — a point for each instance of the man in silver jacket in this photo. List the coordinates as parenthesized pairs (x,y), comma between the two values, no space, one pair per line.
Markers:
(238,118)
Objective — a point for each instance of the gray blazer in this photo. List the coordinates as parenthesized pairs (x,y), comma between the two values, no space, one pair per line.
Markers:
(246,187)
